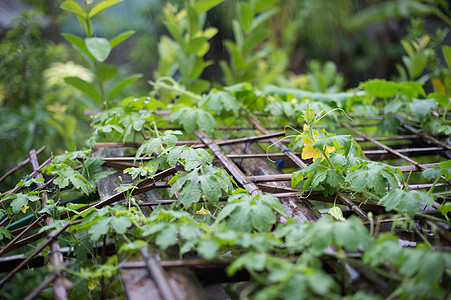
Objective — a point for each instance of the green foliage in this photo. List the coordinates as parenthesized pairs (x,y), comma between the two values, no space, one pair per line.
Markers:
(221,102)
(108,219)
(394,9)
(185,51)
(406,202)
(95,50)
(192,118)
(287,260)
(247,213)
(206,182)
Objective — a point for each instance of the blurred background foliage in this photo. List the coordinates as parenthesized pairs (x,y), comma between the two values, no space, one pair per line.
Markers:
(316,45)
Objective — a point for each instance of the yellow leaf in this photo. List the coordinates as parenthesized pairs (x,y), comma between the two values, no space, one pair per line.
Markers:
(92,284)
(438,85)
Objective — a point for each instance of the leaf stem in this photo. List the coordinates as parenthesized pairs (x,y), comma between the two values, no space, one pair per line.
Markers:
(433,185)
(431,217)
(375,270)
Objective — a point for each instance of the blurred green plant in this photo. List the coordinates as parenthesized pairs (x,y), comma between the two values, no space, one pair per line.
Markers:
(95,51)
(182,54)
(23,58)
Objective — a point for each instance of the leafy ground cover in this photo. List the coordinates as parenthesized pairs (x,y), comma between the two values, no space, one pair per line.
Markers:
(210,213)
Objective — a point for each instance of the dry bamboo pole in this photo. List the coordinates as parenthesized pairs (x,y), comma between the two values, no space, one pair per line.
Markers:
(236,173)
(197,144)
(61,284)
(427,137)
(21,164)
(385,147)
(50,239)
(32,175)
(22,233)
(50,279)
(159,275)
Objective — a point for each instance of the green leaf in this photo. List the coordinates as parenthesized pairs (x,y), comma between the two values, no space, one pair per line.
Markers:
(440,98)
(210,188)
(447,55)
(422,107)
(432,267)
(189,232)
(408,202)
(188,120)
(221,101)
(334,178)
(99,48)
(66,174)
(392,107)
(105,72)
(99,228)
(246,15)
(320,283)
(382,11)
(417,64)
(205,121)
(101,6)
(133,246)
(85,87)
(120,224)
(198,46)
(431,173)
(205,5)
(208,248)
(274,203)
(445,208)
(174,155)
(123,84)
(261,5)
(331,141)
(262,217)
(120,38)
(148,147)
(5,233)
(446,169)
(240,219)
(73,7)
(411,263)
(190,194)
(390,124)
(167,237)
(389,89)
(361,178)
(193,19)
(226,211)
(150,229)
(425,198)
(19,202)
(77,41)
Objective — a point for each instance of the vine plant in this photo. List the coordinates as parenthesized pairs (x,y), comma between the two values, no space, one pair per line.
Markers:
(285,260)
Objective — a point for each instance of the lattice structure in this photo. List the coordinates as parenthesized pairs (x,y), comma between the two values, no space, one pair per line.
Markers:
(149,277)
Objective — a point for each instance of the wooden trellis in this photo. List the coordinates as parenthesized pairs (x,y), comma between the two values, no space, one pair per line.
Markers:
(150,277)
